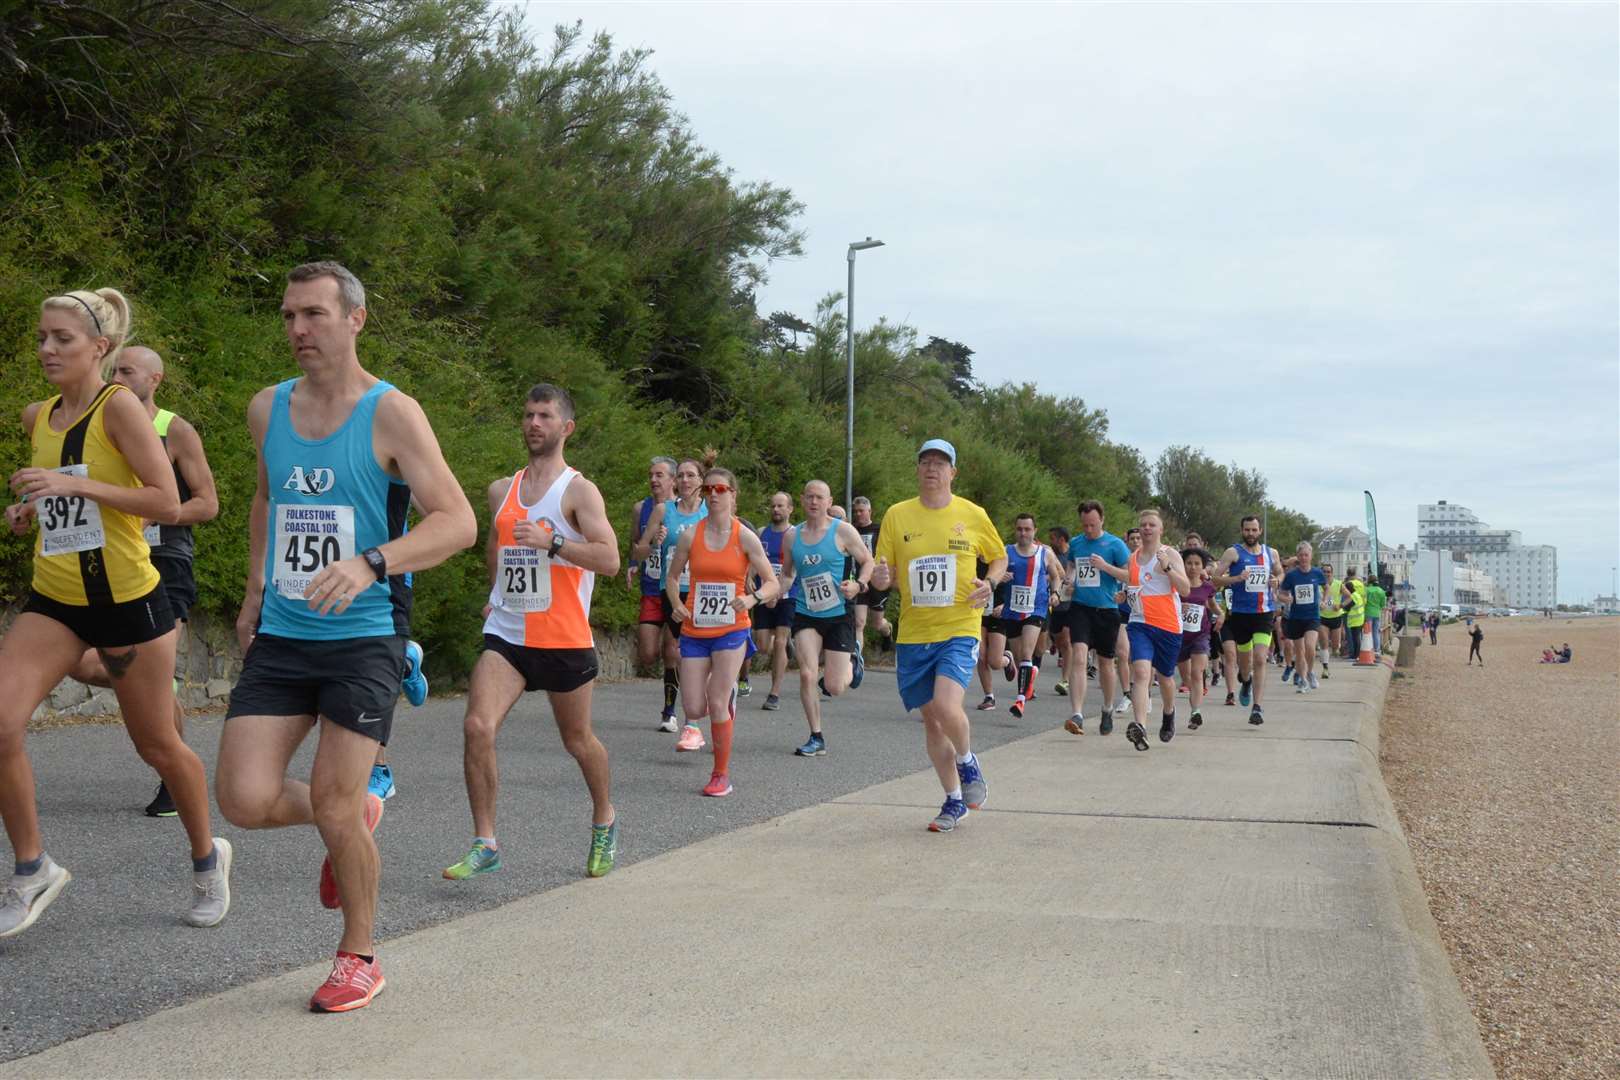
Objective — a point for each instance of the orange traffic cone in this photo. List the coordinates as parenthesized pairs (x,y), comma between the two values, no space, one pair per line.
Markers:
(1366,658)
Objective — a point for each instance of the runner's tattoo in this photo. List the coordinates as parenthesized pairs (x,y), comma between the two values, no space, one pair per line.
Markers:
(117,663)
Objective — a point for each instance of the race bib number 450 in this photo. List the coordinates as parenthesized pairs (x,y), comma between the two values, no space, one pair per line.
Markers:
(69,523)
(933,581)
(306,540)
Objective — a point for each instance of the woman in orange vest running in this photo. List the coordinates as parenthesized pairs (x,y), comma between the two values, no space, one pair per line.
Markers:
(98,471)
(716,638)
(1155,579)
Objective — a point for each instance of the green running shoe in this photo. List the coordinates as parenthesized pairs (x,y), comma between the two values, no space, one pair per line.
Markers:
(604,849)
(482,859)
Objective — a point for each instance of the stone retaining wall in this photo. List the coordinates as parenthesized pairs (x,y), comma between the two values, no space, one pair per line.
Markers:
(209,662)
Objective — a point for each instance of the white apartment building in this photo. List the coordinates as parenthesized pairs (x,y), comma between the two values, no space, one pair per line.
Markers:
(1527,574)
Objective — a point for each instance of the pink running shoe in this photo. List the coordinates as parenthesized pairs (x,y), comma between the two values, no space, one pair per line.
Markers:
(352,985)
(329,888)
(691,738)
(718,787)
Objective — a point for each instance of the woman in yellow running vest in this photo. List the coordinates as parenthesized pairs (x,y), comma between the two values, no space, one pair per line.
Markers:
(98,470)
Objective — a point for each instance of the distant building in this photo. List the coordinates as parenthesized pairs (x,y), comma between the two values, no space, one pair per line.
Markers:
(1606,605)
(1343,547)
(1527,574)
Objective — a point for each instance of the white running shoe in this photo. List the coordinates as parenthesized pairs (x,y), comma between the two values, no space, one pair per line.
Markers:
(26,898)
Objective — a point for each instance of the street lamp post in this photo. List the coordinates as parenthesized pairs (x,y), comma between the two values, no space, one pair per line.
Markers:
(849,400)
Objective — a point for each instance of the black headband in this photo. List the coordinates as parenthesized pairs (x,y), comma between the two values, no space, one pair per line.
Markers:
(70,296)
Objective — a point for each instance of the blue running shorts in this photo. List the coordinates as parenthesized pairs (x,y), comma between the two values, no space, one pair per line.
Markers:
(916,667)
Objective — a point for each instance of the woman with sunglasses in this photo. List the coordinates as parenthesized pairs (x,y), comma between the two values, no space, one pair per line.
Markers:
(98,472)
(665,526)
(716,633)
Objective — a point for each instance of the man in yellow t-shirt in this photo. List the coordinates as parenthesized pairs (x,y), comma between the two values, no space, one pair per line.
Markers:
(930,546)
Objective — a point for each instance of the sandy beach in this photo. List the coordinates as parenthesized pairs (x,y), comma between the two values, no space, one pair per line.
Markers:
(1505,778)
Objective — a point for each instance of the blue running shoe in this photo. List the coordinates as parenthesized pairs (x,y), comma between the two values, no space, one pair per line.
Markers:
(953,811)
(814,747)
(859,670)
(1288,674)
(1244,691)
(382,782)
(415,684)
(974,790)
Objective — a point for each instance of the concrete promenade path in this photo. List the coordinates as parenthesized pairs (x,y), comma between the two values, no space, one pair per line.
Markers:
(1239,903)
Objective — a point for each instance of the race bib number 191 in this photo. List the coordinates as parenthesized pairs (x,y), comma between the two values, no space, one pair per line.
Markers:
(307,540)
(933,581)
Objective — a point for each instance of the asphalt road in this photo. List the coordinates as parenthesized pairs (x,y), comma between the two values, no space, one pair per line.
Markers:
(112,948)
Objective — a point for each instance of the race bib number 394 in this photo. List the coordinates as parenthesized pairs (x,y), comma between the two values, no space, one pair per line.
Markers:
(1304,594)
(933,580)
(69,523)
(308,539)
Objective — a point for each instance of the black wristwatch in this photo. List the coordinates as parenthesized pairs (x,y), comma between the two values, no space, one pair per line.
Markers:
(375,560)
(555,546)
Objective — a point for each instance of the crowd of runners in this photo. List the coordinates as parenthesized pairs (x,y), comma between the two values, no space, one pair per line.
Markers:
(353,497)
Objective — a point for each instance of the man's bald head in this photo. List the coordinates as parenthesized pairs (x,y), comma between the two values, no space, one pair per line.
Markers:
(140,369)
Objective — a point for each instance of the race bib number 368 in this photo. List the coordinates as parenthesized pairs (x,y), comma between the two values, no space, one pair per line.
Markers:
(308,539)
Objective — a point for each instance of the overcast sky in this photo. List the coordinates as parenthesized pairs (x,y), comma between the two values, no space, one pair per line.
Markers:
(1352,246)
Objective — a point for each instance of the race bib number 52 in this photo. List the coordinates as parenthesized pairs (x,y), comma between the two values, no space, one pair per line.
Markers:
(307,540)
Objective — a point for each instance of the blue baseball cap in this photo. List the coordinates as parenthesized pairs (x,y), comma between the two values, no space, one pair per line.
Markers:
(940,445)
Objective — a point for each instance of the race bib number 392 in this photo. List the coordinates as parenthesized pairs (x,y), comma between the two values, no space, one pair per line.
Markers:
(69,523)
(306,540)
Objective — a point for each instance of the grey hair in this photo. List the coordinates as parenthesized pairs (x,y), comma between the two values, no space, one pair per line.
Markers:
(860,501)
(667,462)
(1304,545)
(349,288)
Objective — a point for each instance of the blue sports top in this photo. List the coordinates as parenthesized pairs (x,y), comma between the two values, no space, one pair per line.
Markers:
(1304,587)
(1028,586)
(652,572)
(1092,587)
(1252,593)
(676,523)
(771,541)
(329,500)
(817,569)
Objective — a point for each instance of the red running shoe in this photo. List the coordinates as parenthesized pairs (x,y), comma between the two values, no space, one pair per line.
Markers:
(352,985)
(329,888)
(718,787)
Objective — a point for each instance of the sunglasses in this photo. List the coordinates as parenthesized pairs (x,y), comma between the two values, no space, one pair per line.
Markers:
(718,489)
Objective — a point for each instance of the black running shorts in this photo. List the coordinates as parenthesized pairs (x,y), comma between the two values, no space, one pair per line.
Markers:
(837,633)
(1097,628)
(110,626)
(353,682)
(557,671)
